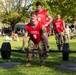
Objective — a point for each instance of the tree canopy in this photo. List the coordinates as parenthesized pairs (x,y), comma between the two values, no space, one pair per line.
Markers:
(66,8)
(14,11)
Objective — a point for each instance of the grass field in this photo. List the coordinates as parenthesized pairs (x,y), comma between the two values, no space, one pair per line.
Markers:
(55,59)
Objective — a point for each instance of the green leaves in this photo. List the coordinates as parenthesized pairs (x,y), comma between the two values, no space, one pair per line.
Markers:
(14,11)
(65,7)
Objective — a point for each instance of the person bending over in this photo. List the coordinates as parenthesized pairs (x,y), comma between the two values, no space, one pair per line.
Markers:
(35,30)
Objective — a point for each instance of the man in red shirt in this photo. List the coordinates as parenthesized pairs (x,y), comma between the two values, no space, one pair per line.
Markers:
(43,15)
(35,30)
(59,29)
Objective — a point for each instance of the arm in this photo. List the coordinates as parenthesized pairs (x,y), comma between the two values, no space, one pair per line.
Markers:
(50,28)
(53,27)
(64,26)
(24,40)
(49,17)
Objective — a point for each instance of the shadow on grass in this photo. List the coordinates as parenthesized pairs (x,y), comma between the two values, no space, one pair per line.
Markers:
(55,59)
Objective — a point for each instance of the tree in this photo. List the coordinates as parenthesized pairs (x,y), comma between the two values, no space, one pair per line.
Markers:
(14,11)
(65,7)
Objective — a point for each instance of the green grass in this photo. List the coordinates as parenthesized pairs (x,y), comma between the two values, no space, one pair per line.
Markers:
(55,59)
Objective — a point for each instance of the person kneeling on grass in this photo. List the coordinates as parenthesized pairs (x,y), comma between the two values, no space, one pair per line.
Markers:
(15,37)
(35,30)
(7,38)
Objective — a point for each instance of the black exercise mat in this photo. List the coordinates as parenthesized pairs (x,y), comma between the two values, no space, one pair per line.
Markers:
(8,65)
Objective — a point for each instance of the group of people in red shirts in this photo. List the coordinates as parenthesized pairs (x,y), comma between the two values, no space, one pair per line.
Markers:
(38,29)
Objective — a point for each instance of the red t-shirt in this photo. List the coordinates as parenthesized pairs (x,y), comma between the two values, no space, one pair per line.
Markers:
(58,25)
(35,33)
(42,16)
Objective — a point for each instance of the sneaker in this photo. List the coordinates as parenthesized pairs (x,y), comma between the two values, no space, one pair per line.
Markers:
(27,64)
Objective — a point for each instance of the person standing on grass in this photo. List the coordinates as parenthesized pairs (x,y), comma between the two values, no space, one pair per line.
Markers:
(35,30)
(59,29)
(43,16)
